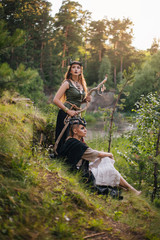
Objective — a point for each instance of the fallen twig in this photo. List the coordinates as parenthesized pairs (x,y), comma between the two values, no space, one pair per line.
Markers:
(93,235)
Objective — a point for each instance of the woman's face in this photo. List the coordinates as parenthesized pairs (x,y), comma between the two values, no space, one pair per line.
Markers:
(75,69)
(81,131)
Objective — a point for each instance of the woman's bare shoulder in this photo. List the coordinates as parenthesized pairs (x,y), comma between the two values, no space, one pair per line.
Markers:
(65,83)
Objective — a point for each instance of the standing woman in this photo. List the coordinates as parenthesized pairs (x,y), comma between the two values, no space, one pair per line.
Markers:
(71,94)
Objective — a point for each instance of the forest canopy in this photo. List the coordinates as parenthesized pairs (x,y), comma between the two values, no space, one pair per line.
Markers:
(32,40)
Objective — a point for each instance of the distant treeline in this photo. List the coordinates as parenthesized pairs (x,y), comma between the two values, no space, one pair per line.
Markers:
(35,49)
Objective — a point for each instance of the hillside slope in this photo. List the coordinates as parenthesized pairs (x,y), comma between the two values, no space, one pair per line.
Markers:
(40,199)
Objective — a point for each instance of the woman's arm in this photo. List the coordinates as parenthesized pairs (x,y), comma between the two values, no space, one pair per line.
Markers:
(105,154)
(58,102)
(91,154)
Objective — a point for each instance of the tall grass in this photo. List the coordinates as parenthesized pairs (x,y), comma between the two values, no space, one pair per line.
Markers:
(41,199)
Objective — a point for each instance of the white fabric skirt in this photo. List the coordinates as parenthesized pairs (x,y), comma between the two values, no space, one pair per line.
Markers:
(104,172)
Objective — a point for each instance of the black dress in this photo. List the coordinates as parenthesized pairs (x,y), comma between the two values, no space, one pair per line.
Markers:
(73,151)
(73,96)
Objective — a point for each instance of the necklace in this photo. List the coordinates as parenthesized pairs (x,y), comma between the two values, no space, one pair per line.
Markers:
(78,86)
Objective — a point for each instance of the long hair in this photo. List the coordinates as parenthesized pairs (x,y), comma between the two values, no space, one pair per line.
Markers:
(81,79)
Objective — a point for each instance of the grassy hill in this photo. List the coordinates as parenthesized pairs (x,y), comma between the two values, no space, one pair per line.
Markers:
(40,199)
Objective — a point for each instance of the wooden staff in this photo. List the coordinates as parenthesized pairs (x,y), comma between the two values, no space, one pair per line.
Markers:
(93,90)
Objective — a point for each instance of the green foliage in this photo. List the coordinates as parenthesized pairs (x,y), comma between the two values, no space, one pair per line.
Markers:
(128,79)
(17,125)
(117,215)
(147,80)
(92,117)
(69,22)
(6,77)
(8,42)
(51,112)
(154,47)
(95,224)
(142,149)
(105,68)
(29,83)
(33,19)
(157,202)
(30,36)
(120,35)
(107,121)
(25,81)
(92,70)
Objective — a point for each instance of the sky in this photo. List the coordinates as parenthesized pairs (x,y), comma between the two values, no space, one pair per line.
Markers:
(145,15)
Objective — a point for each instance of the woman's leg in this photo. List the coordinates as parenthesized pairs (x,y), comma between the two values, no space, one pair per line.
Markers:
(126,185)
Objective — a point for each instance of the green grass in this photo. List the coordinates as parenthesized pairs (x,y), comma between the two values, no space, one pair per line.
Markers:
(41,199)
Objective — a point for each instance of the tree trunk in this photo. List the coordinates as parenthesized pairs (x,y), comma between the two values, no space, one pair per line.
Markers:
(111,122)
(115,70)
(41,60)
(157,144)
(64,50)
(112,115)
(115,76)
(85,61)
(155,181)
(50,69)
(100,55)
(121,66)
(64,47)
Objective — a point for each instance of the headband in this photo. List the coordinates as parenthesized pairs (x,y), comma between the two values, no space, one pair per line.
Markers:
(75,62)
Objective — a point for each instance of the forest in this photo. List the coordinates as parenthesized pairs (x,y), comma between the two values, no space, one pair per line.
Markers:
(35,51)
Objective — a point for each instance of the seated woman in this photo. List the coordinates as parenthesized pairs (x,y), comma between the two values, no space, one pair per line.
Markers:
(101,164)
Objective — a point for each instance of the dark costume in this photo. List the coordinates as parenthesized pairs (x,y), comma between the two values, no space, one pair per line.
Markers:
(73,96)
(102,168)
(73,150)
(98,172)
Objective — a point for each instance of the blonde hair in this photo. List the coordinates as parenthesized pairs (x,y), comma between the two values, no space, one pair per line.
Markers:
(81,79)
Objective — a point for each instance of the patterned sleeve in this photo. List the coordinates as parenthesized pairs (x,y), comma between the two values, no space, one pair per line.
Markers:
(90,154)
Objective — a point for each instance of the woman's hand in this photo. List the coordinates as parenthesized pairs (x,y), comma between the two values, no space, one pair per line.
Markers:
(71,113)
(110,155)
